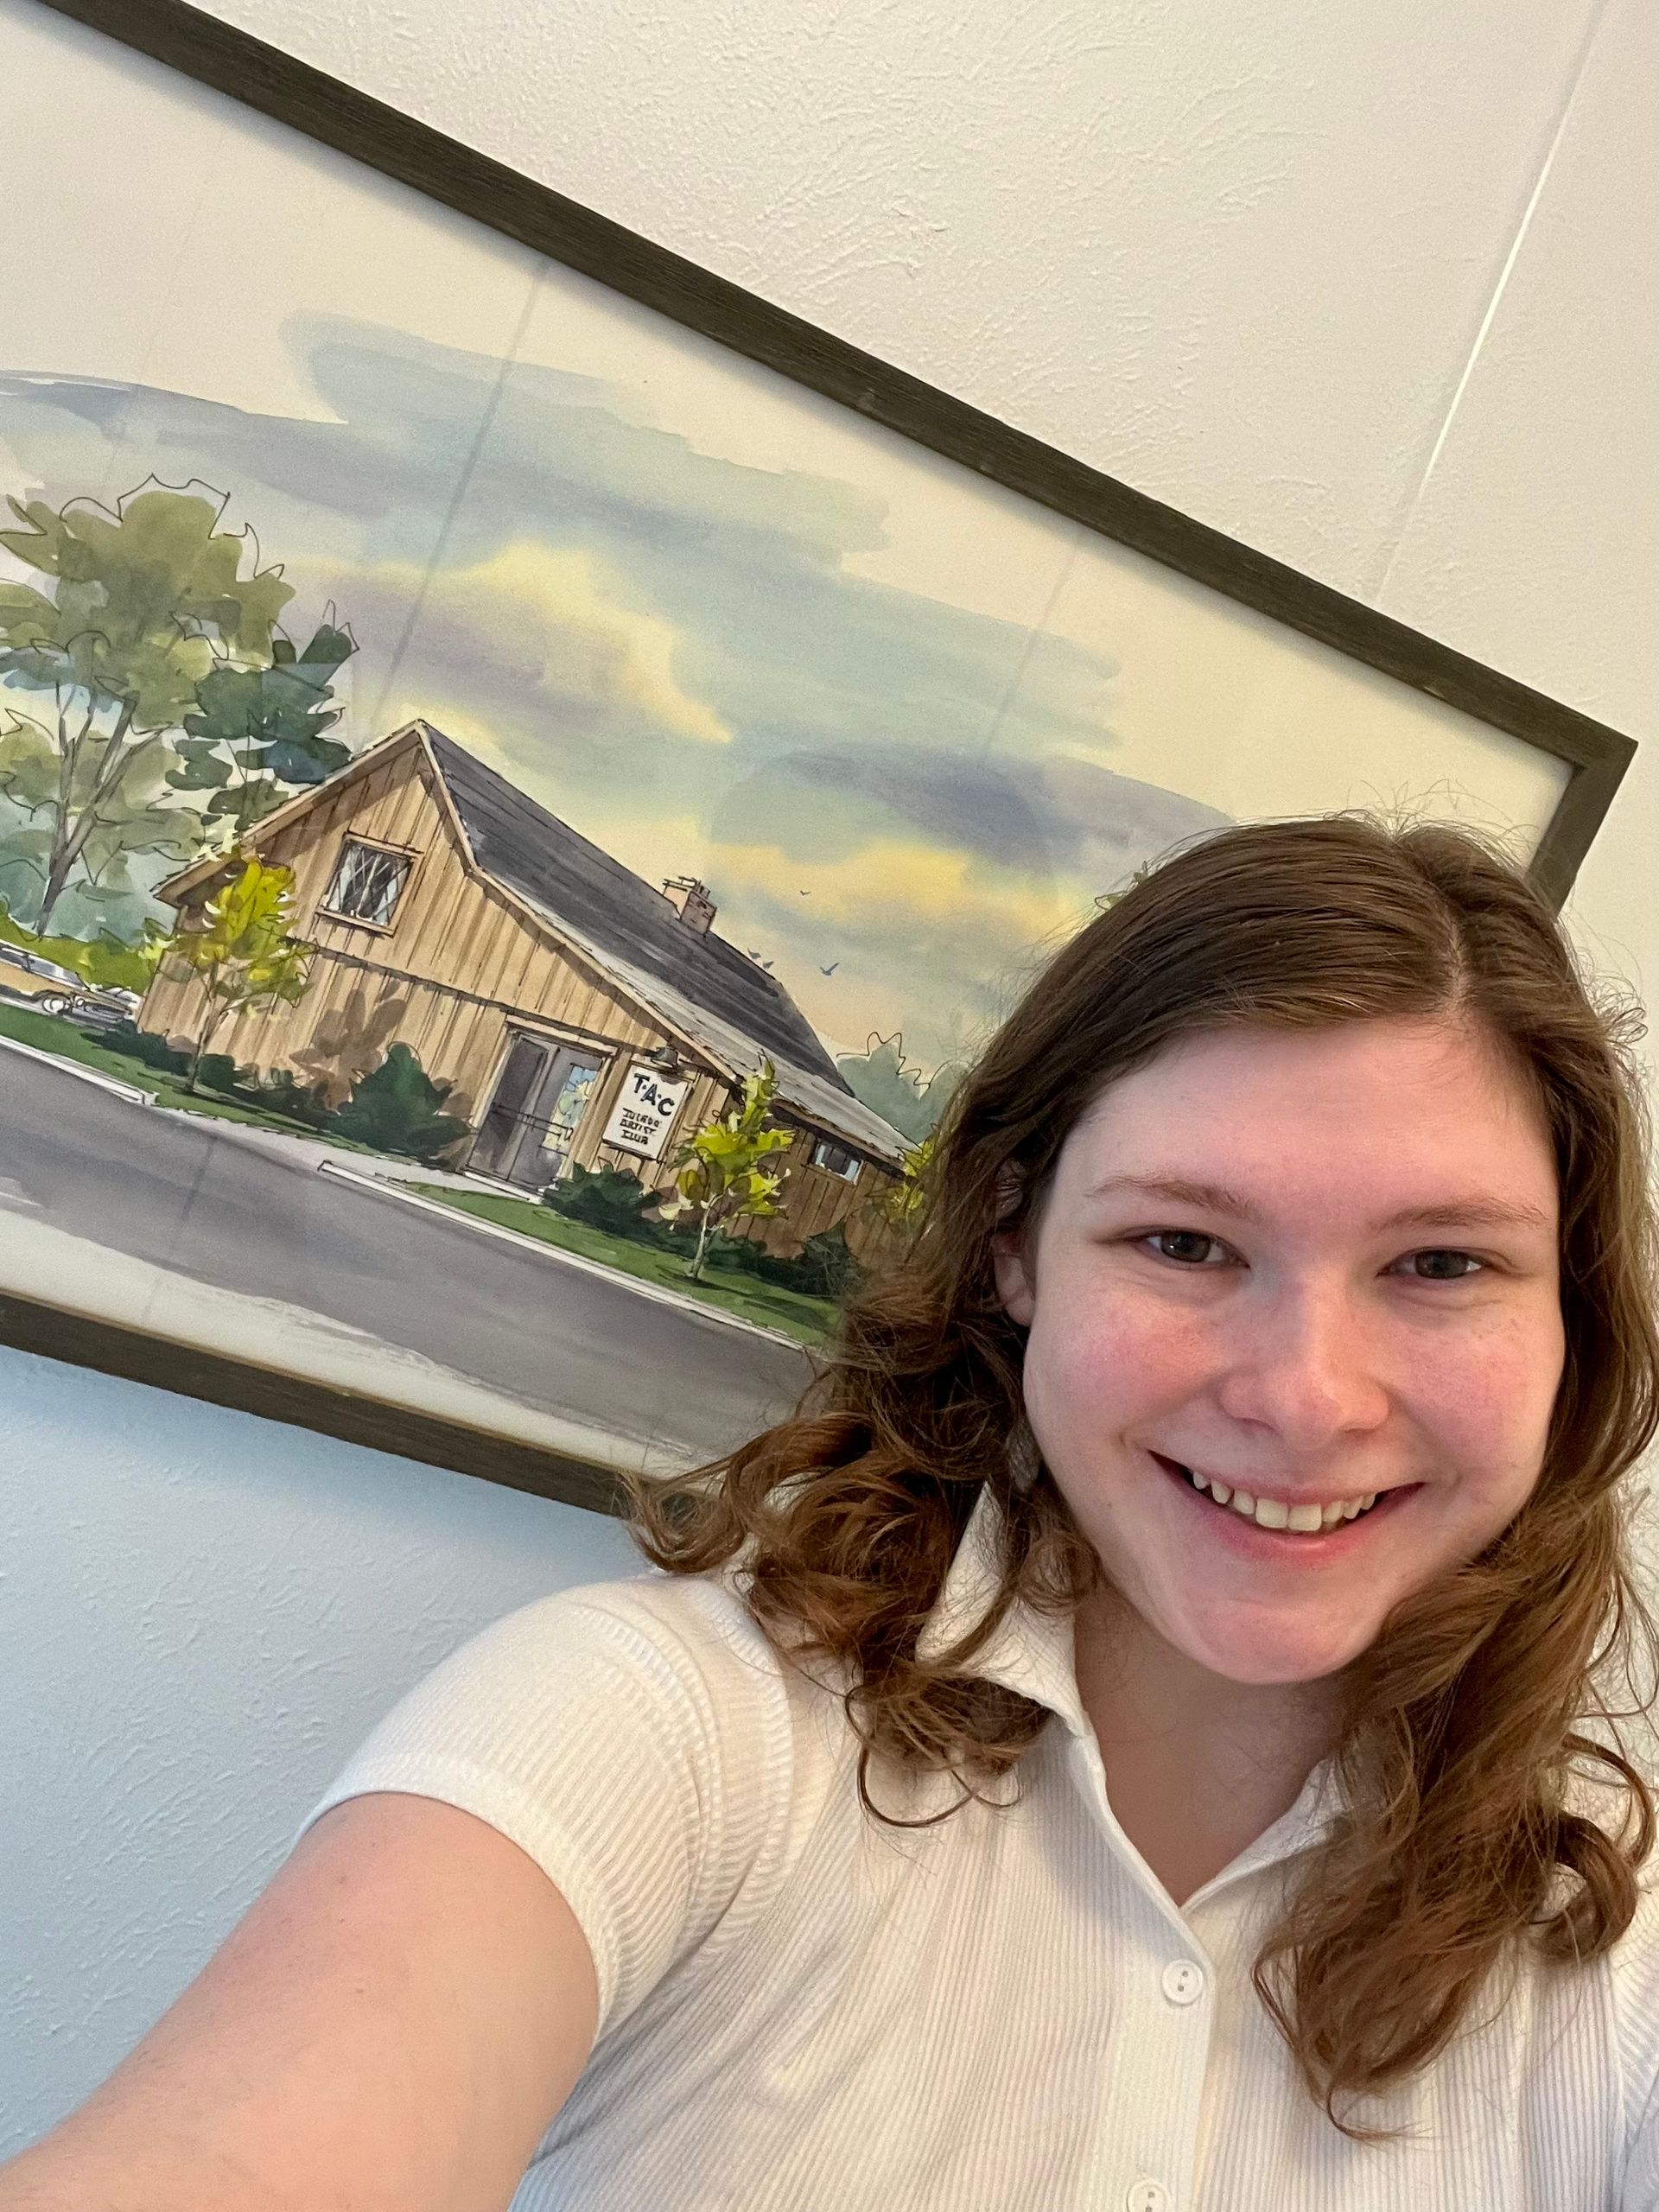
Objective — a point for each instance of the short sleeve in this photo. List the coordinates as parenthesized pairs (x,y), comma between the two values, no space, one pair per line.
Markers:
(1635,1983)
(631,1737)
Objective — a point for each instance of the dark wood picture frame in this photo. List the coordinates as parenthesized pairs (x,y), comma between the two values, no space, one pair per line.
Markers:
(202,47)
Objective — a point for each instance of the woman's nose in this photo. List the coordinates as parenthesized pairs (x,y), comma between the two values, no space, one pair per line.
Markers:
(1304,1364)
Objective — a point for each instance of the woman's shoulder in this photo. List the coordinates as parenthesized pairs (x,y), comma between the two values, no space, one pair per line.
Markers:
(679,1647)
(634,1738)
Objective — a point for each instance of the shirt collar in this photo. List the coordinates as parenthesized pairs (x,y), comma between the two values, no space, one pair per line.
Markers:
(1035,1654)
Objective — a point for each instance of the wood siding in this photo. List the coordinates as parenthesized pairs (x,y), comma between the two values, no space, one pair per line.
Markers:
(461,966)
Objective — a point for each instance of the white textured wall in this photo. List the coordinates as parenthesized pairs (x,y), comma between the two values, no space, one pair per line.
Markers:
(1369,288)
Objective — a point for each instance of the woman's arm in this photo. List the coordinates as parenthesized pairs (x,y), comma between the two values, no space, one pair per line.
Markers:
(393,2023)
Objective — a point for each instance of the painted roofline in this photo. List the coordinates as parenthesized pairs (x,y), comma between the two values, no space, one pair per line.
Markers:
(834,1120)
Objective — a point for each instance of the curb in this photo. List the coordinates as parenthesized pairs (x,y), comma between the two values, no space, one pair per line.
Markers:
(385,1188)
(129,1091)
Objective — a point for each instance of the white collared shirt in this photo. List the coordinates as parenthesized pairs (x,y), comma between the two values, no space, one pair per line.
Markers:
(804,2011)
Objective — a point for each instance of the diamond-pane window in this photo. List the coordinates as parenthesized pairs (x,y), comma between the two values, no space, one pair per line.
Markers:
(366,883)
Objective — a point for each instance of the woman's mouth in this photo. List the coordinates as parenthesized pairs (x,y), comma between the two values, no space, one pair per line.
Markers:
(1306,1520)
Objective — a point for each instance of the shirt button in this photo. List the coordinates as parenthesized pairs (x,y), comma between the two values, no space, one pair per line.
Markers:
(1147,2196)
(1183,1982)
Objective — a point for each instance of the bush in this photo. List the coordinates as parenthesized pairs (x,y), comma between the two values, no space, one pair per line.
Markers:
(398,1108)
(218,1072)
(607,1198)
(828,1262)
(281,1092)
(142,1044)
(824,1268)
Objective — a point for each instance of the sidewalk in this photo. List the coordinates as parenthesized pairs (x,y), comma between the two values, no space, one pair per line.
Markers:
(384,1176)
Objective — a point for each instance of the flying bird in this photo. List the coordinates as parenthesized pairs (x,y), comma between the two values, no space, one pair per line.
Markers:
(830,969)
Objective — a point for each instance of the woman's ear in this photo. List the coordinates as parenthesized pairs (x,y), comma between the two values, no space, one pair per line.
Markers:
(1016,1284)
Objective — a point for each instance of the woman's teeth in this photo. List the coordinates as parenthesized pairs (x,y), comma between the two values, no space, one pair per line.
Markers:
(1274,1513)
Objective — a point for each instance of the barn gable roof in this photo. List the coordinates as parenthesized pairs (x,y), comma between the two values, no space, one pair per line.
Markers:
(545,860)
(700,985)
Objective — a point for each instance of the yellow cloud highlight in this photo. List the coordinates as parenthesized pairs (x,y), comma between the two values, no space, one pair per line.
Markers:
(551,604)
(926,887)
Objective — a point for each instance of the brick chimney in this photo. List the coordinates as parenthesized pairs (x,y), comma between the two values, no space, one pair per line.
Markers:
(690,901)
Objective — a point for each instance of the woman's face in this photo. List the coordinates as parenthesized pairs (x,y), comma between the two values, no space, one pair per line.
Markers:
(1313,1267)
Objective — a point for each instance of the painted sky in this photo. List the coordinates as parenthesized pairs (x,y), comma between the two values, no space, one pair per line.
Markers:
(906,725)
(674,650)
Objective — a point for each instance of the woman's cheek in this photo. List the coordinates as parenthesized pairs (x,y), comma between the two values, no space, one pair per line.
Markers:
(1489,1405)
(1124,1354)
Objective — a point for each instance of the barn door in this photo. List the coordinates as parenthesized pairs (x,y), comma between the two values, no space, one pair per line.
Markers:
(532,1120)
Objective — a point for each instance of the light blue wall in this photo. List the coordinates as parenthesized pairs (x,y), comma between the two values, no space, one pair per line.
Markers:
(201,1614)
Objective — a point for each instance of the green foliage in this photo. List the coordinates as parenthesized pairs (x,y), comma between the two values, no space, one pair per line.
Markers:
(136,609)
(281,1092)
(241,952)
(217,1072)
(398,1108)
(257,732)
(607,1198)
(106,962)
(881,1079)
(720,1176)
(827,1264)
(900,1203)
(144,1044)
(72,808)
(824,1268)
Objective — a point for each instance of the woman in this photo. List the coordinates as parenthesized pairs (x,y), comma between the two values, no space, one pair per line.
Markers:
(1136,1737)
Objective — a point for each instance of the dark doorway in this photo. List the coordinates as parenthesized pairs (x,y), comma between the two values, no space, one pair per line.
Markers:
(532,1120)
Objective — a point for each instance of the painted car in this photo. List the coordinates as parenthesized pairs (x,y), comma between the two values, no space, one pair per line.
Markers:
(51,990)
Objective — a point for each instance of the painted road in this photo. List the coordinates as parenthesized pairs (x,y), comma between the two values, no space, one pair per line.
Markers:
(178,1192)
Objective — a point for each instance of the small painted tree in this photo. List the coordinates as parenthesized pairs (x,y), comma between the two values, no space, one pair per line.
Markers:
(720,1178)
(901,1202)
(242,955)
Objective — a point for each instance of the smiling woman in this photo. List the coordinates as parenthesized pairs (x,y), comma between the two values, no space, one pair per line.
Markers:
(1236,1464)
(1286,1298)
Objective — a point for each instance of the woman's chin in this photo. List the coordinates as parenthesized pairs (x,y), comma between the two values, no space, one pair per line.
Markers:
(1268,1654)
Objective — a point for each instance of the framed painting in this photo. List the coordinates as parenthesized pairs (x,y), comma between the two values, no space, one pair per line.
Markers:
(526,774)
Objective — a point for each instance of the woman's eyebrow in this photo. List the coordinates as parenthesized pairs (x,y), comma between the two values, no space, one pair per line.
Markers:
(1475,1211)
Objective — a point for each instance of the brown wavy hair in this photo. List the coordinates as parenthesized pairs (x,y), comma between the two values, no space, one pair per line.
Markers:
(1463,1831)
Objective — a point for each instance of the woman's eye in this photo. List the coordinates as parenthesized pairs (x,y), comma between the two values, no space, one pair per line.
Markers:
(1462,1266)
(1165,1239)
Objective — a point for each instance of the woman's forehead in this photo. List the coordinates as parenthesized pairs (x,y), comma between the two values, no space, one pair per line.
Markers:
(1376,1091)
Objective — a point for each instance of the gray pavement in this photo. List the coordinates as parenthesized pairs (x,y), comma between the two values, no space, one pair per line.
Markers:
(183,1193)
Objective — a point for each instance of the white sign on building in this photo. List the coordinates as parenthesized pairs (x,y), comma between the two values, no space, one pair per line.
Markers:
(645,1110)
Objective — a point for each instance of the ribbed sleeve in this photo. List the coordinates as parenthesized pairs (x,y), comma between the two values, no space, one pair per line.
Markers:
(633,1738)
(1634,1981)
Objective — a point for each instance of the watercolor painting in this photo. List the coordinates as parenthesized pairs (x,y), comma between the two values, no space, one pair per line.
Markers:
(512,820)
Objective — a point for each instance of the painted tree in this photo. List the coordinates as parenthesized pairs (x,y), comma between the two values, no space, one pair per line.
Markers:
(900,1203)
(241,953)
(881,1078)
(43,785)
(258,734)
(135,611)
(721,1179)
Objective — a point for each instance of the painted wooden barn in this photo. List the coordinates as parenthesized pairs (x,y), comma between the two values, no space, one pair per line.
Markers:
(583,1017)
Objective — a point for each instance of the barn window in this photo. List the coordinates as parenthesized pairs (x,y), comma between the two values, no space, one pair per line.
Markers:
(837,1160)
(366,884)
